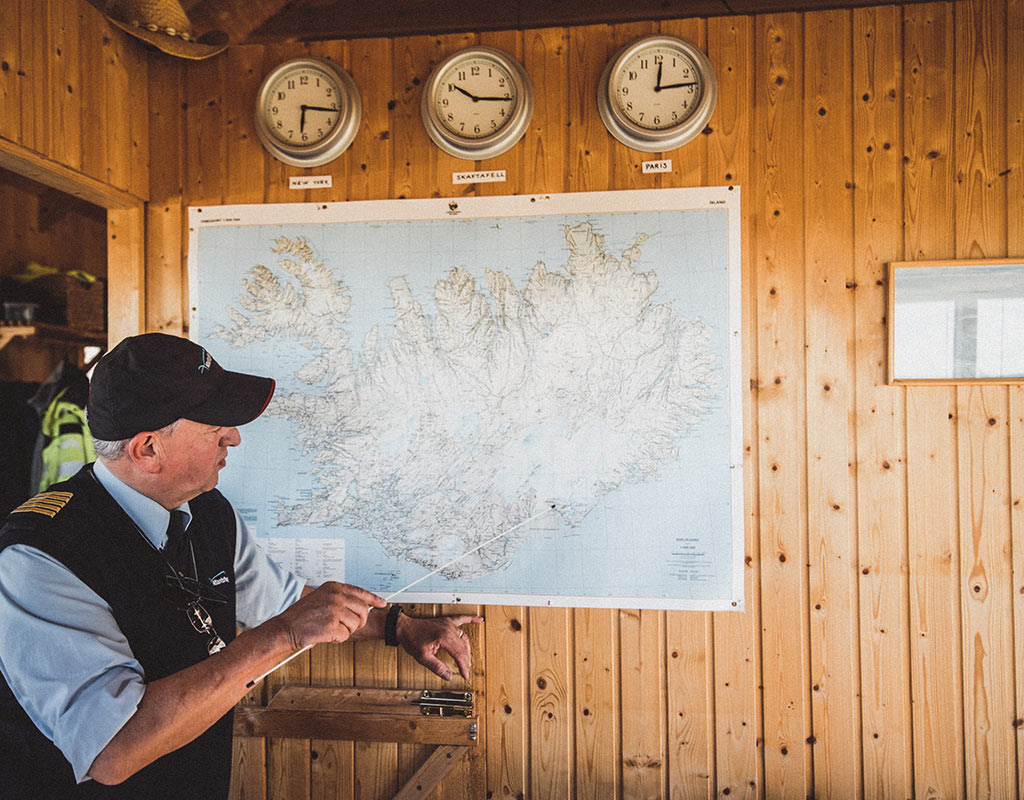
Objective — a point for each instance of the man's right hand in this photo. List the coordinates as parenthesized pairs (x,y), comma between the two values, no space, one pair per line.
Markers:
(330,613)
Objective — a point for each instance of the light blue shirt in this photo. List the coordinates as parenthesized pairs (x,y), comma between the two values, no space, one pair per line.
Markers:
(64,656)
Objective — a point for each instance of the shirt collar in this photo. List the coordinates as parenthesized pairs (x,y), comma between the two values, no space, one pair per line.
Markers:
(148,515)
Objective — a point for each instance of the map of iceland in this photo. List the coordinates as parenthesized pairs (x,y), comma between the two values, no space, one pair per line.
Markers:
(503,409)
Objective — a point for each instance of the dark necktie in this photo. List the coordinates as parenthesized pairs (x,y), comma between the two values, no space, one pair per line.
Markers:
(176,549)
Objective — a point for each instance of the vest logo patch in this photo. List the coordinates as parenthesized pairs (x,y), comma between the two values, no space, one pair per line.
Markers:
(220,578)
(45,503)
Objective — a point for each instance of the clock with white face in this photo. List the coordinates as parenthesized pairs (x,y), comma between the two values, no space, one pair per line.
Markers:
(477,103)
(307,111)
(657,93)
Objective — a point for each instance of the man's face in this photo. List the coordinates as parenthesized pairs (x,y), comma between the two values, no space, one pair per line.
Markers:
(193,455)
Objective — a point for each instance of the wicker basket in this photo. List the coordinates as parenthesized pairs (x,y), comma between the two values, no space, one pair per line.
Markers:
(65,300)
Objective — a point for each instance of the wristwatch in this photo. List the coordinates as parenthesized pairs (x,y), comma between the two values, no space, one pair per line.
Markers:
(391,626)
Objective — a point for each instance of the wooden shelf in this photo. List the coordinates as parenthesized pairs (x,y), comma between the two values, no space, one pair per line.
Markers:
(45,330)
(9,332)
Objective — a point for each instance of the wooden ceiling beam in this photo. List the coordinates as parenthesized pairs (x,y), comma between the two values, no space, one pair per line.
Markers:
(274,21)
(237,18)
(353,19)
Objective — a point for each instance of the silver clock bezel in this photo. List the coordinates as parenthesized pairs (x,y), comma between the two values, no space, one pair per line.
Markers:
(337,141)
(498,142)
(645,139)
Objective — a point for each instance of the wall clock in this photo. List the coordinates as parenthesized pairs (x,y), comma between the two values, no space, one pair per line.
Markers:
(307,111)
(477,103)
(657,93)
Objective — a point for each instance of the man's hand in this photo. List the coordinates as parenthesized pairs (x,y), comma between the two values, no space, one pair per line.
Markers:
(332,612)
(423,637)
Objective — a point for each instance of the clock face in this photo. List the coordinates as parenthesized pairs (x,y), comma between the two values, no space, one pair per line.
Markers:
(658,87)
(307,111)
(301,105)
(477,103)
(475,97)
(657,93)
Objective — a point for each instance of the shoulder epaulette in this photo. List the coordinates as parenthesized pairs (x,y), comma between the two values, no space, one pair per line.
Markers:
(46,503)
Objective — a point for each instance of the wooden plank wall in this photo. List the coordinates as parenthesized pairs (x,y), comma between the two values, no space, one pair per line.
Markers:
(74,115)
(878,654)
(73,91)
(881,654)
(73,118)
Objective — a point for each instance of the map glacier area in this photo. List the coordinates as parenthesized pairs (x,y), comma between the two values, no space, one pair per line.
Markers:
(535,409)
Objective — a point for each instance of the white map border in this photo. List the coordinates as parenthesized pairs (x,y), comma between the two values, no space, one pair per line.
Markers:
(578,203)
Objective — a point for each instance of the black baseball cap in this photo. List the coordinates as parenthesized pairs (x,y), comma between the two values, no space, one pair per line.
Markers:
(149,381)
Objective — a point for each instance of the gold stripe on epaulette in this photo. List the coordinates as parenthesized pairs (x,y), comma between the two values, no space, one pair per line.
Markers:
(42,504)
(46,503)
(46,499)
(37,509)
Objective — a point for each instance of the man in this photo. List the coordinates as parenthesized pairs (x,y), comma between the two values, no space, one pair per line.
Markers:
(120,590)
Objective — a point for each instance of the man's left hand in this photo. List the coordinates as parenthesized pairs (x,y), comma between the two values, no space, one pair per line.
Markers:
(423,637)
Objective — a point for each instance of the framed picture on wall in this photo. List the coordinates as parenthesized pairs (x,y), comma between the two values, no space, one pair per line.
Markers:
(956,321)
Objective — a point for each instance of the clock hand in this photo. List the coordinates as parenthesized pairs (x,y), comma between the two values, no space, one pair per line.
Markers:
(503,99)
(317,108)
(676,85)
(657,85)
(302,119)
(472,97)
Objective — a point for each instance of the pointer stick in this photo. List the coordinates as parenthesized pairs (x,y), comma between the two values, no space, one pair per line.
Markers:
(388,599)
(468,553)
(254,681)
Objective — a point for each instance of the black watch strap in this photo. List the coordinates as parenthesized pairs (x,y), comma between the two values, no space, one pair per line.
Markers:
(391,626)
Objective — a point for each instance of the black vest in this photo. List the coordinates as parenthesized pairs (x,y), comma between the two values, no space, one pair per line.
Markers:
(92,536)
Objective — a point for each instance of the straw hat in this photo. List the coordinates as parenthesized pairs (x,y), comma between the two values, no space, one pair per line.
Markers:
(163,24)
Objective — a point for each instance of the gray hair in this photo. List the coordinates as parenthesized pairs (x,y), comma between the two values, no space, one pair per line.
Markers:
(113,450)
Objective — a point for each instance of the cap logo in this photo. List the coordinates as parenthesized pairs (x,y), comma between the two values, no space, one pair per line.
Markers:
(207,360)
